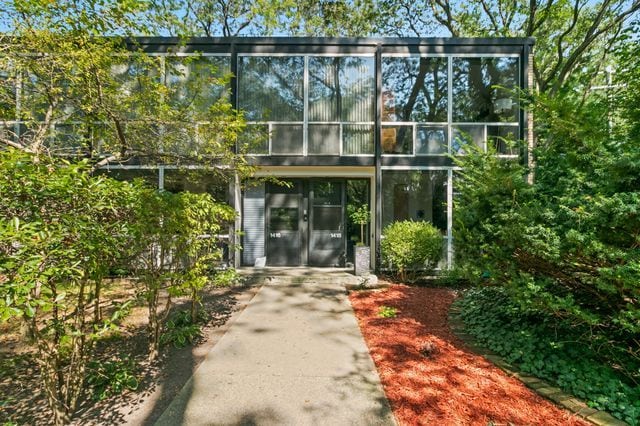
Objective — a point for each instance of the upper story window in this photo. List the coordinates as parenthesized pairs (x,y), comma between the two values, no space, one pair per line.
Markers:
(196,82)
(435,105)
(308,105)
(271,93)
(485,107)
(414,102)
(341,105)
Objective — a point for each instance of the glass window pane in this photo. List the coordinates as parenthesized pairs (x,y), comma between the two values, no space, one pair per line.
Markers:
(211,182)
(357,139)
(69,139)
(148,176)
(397,139)
(341,89)
(7,94)
(431,140)
(503,139)
(195,81)
(414,89)
(327,193)
(286,139)
(133,75)
(415,195)
(465,135)
(271,88)
(327,218)
(283,219)
(324,139)
(476,97)
(255,139)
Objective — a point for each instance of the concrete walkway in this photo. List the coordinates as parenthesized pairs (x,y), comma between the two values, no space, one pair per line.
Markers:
(295,356)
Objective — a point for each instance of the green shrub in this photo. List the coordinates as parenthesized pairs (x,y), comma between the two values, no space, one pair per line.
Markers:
(180,329)
(387,312)
(410,245)
(550,348)
(108,378)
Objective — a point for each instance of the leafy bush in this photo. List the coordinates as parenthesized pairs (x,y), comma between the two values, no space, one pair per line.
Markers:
(107,378)
(180,330)
(550,348)
(387,312)
(410,245)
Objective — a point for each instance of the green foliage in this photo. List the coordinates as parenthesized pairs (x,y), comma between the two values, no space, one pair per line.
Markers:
(551,348)
(410,245)
(108,378)
(360,216)
(225,278)
(176,249)
(180,330)
(566,245)
(61,229)
(387,312)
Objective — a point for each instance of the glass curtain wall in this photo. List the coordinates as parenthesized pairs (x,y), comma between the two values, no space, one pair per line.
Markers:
(418,195)
(271,94)
(485,106)
(431,102)
(340,105)
(414,105)
(308,105)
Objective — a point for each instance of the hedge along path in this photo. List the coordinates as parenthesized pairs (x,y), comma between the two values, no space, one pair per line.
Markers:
(428,374)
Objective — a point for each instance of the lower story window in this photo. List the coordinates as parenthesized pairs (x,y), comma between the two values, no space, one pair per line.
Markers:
(419,195)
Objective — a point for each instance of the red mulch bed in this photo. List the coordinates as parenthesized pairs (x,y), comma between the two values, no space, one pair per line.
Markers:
(450,385)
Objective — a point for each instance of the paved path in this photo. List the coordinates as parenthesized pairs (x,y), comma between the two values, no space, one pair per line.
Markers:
(295,356)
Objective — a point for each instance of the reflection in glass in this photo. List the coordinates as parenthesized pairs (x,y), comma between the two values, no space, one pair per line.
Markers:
(324,139)
(286,139)
(466,135)
(357,139)
(195,81)
(341,89)
(327,218)
(69,139)
(255,138)
(431,140)
(148,176)
(476,97)
(397,139)
(198,181)
(7,94)
(327,193)
(415,195)
(414,89)
(503,139)
(283,219)
(271,88)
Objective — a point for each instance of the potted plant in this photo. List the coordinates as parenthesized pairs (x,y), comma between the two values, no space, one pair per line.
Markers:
(362,252)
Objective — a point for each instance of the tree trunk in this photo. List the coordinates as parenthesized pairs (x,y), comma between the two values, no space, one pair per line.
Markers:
(154,326)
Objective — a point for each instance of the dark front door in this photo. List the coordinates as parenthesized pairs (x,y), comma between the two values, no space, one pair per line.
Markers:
(284,222)
(326,224)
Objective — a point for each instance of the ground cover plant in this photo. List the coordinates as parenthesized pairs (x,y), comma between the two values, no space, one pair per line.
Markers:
(550,349)
(561,239)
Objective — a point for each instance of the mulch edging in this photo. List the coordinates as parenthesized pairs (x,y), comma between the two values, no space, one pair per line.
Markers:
(430,376)
(541,387)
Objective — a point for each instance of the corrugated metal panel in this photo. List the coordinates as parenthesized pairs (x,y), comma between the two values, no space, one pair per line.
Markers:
(253,224)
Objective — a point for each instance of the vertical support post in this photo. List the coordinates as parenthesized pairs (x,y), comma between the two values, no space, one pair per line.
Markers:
(527,116)
(234,230)
(377,193)
(161,178)
(449,218)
